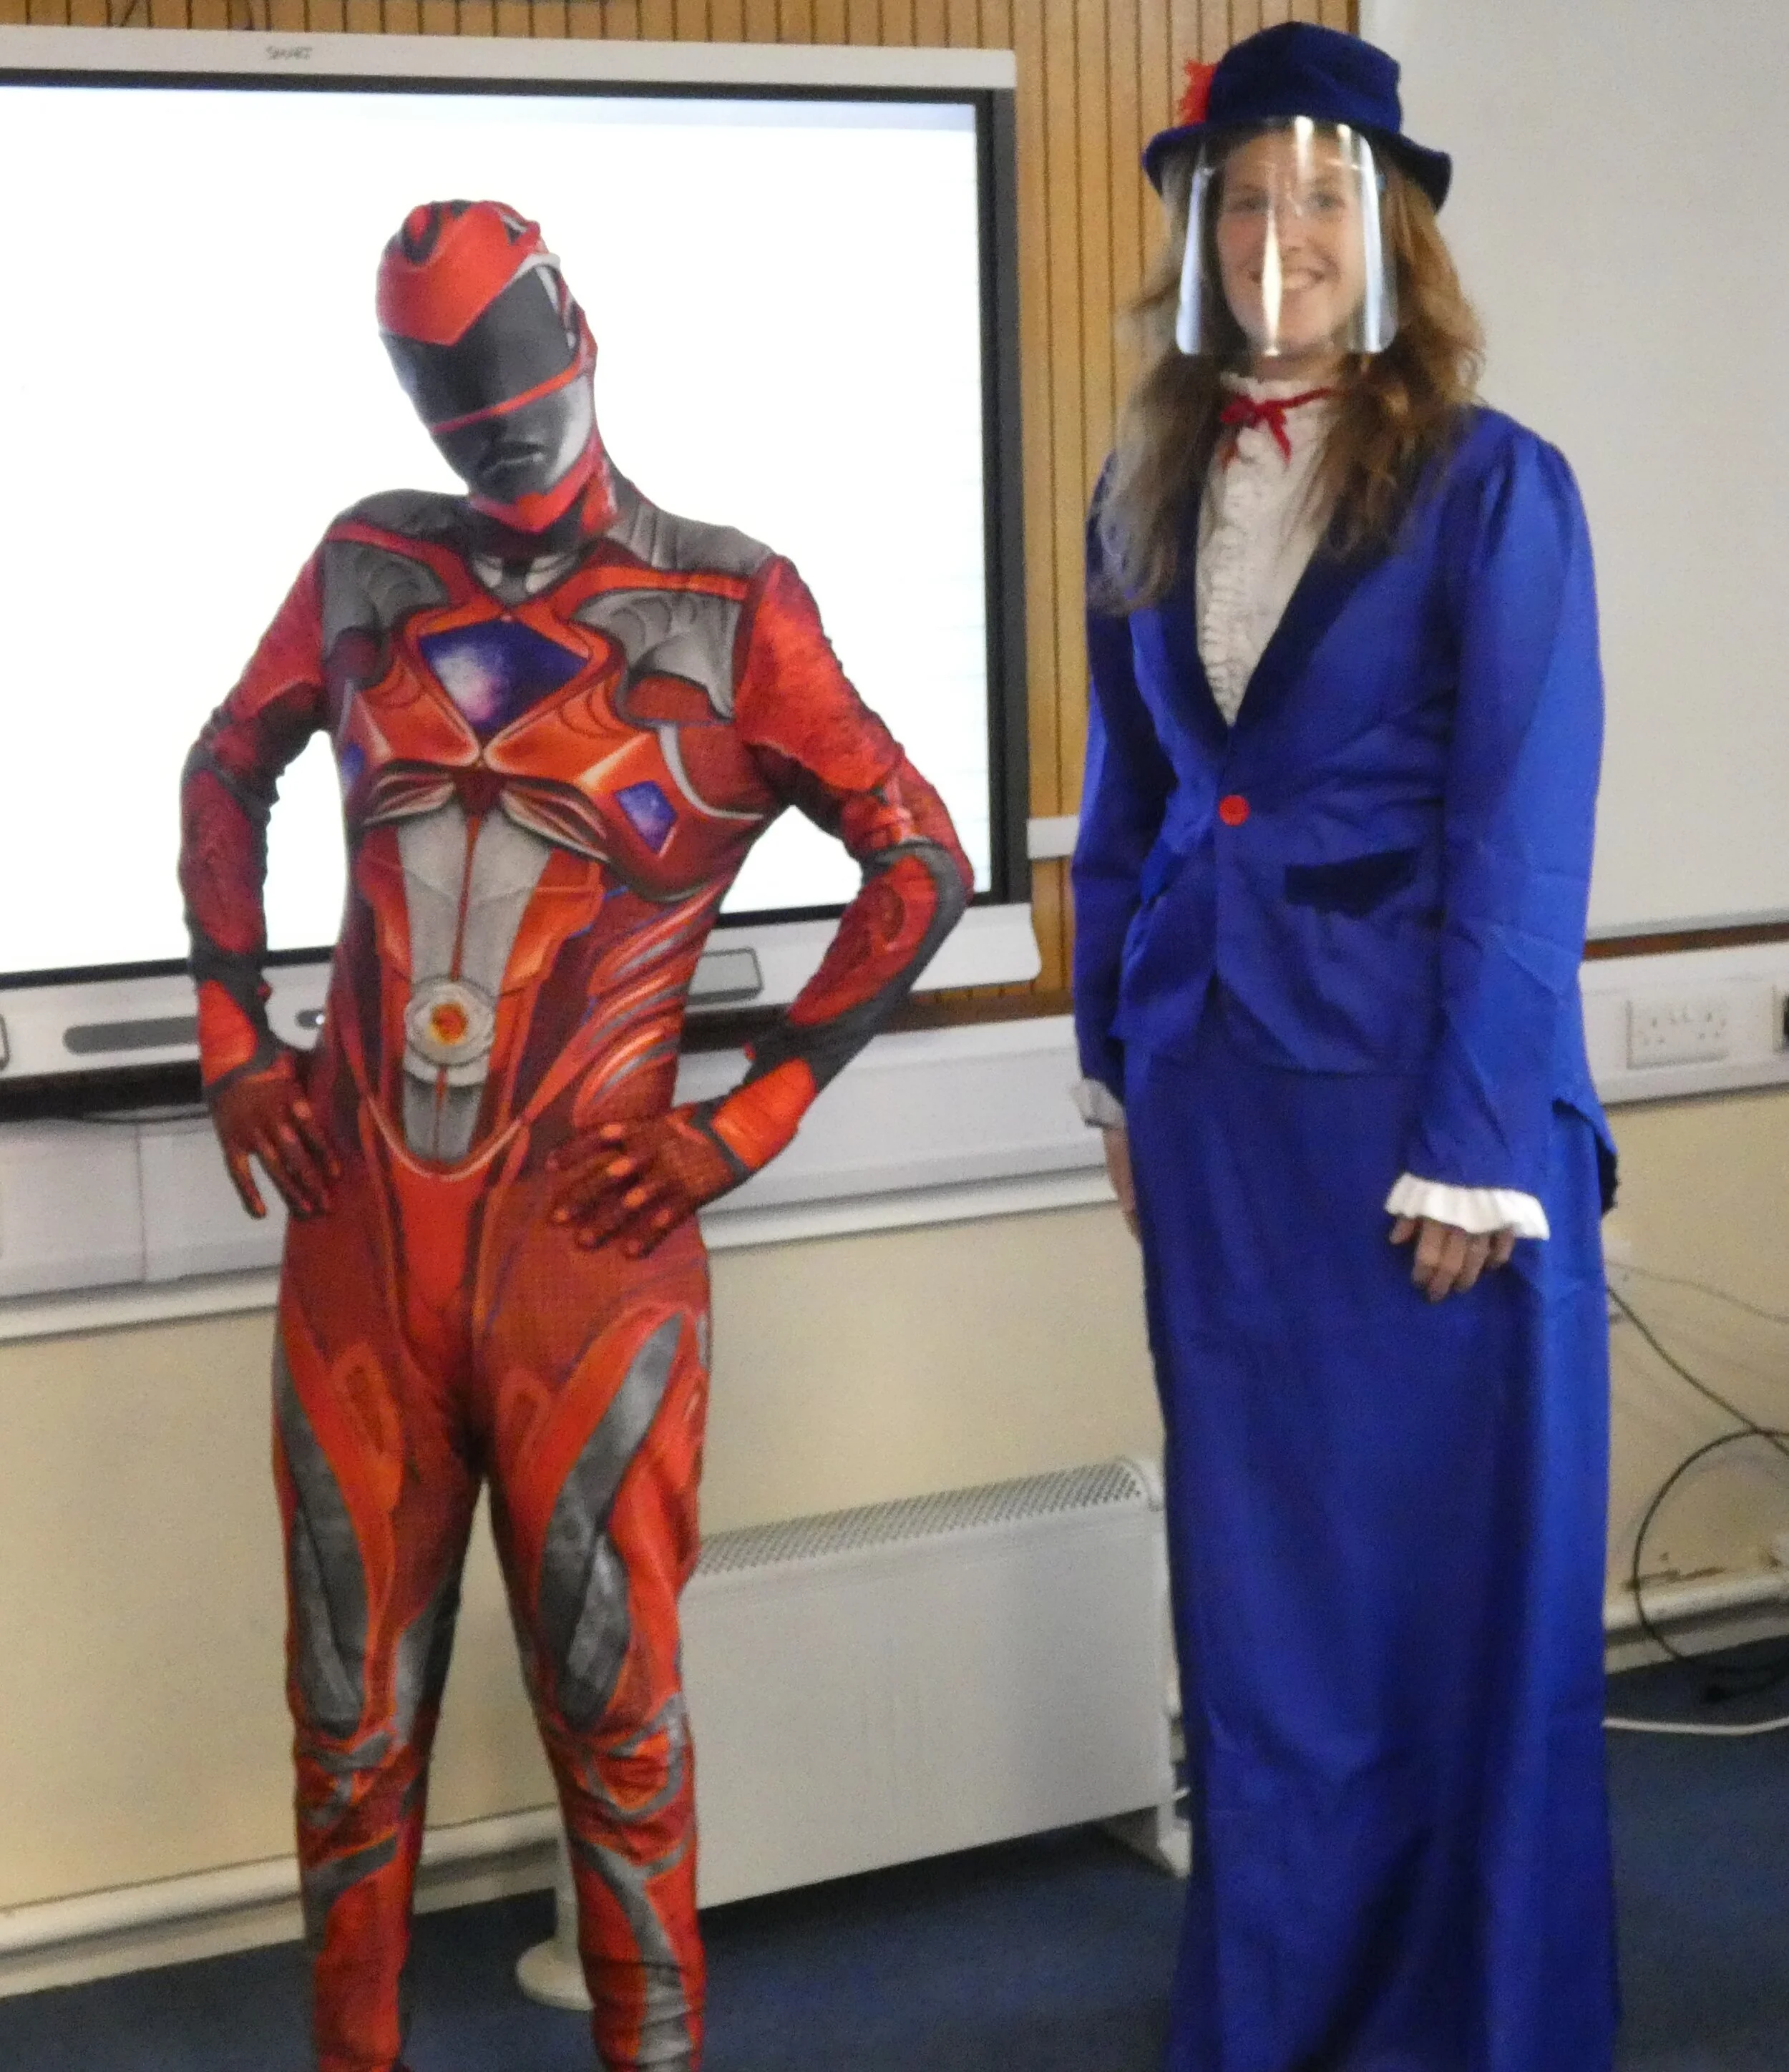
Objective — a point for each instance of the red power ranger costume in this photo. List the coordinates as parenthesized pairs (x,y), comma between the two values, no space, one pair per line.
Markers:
(561,717)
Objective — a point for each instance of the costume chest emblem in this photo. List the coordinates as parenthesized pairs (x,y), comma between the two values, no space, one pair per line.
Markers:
(495,671)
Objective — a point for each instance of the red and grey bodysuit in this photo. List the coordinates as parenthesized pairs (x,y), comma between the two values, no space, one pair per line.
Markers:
(561,717)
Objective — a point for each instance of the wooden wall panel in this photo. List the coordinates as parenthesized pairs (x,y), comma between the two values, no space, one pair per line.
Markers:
(1095,78)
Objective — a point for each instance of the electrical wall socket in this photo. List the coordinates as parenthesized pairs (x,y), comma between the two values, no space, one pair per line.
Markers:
(1677,1029)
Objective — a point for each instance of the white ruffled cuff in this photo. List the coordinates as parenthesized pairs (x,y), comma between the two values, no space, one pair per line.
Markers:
(1476,1211)
(1100,1108)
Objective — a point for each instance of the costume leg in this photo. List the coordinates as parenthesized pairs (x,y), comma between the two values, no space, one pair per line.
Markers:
(376,1497)
(598,1371)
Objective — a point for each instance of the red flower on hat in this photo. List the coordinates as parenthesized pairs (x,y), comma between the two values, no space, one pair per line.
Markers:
(1197,98)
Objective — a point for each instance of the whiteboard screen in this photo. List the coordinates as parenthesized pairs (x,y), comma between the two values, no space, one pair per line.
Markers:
(786,299)
(1618,219)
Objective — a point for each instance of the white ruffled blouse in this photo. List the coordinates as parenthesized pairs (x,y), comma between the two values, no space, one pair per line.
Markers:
(1259,524)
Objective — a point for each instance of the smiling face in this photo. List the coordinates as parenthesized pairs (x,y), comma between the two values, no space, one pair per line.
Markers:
(1291,244)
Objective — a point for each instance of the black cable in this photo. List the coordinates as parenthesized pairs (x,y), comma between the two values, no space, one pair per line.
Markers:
(1727,1678)
(1752,1429)
(1705,1288)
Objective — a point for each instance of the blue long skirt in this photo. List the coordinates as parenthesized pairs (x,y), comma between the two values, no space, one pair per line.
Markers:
(1386,1525)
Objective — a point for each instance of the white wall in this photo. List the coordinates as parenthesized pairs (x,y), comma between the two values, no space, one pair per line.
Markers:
(1616,216)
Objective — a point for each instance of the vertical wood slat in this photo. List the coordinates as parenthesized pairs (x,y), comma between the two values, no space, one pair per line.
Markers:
(1095,96)
(1066,301)
(1201,30)
(1095,78)
(1038,346)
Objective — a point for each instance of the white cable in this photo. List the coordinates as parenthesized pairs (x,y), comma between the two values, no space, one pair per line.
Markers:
(1693,1727)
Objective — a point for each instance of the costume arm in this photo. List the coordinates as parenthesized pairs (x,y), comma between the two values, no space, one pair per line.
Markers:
(820,747)
(1124,795)
(226,792)
(1518,823)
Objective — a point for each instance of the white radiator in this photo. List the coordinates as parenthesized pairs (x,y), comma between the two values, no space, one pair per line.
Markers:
(898,1681)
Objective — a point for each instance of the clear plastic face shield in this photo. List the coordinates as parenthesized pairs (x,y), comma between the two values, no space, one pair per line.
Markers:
(1285,248)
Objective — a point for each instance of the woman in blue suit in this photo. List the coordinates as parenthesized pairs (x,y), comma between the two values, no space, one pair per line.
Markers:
(1330,892)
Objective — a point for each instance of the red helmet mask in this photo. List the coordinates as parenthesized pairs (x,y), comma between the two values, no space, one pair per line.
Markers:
(497,358)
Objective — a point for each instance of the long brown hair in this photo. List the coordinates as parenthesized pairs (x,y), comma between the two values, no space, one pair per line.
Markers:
(1398,409)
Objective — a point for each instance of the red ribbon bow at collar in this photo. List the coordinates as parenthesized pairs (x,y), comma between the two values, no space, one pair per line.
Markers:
(1242,412)
(1197,99)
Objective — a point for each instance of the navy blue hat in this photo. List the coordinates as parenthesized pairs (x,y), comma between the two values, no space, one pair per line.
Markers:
(1298,68)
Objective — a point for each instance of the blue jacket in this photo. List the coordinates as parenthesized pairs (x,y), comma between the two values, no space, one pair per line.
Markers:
(1386,862)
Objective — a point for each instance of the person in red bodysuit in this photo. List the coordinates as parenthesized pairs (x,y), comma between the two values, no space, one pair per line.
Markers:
(561,717)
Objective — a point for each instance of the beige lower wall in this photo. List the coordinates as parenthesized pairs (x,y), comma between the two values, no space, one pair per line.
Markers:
(143,1733)
(1704,1197)
(141,1729)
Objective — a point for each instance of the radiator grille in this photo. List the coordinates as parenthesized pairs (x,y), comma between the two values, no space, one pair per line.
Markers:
(1111,1483)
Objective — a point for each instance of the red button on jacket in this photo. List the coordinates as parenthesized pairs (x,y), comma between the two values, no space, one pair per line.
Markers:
(1233,809)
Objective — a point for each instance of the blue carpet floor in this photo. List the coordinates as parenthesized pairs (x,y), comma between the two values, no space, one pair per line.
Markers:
(1048,1955)
(1702,1872)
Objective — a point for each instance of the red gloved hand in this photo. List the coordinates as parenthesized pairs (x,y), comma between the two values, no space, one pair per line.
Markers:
(265,1113)
(634,1182)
